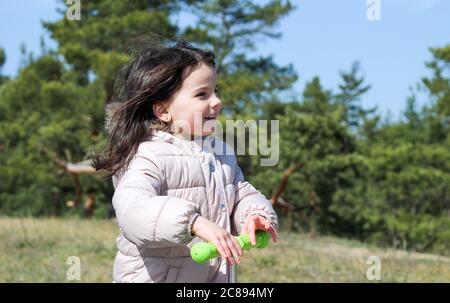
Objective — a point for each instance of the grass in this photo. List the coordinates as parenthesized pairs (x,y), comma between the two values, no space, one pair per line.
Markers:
(37,250)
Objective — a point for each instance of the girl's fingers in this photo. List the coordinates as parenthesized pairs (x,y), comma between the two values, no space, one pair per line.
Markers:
(259,223)
(228,253)
(270,229)
(264,224)
(251,232)
(220,249)
(238,246)
(274,234)
(251,221)
(233,249)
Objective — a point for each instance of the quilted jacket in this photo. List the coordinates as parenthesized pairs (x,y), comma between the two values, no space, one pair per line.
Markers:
(169,182)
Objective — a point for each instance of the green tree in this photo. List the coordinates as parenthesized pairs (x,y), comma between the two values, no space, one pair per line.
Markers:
(402,197)
(313,136)
(351,90)
(53,111)
(2,62)
(232,28)
(438,89)
(250,85)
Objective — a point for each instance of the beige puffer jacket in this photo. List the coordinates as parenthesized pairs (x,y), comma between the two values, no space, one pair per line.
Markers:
(169,182)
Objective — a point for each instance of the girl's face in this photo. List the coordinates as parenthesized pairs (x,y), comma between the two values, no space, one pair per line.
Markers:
(193,110)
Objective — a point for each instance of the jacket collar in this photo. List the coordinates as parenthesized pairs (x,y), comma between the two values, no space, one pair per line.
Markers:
(199,144)
(162,136)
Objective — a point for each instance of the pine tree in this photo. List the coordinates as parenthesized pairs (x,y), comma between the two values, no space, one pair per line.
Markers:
(349,97)
(232,28)
(2,62)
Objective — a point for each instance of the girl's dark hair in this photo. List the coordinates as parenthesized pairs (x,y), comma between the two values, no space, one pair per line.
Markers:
(154,74)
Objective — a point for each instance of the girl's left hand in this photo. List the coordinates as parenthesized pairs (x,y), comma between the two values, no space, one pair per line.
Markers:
(254,223)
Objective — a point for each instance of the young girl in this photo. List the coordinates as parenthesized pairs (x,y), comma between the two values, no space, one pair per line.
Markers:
(171,189)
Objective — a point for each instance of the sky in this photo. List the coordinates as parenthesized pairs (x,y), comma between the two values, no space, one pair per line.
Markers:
(319,38)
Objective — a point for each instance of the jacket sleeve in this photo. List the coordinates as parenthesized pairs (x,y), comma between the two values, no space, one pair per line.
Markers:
(146,218)
(248,202)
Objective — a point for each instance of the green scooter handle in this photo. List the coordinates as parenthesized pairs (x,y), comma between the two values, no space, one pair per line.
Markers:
(203,251)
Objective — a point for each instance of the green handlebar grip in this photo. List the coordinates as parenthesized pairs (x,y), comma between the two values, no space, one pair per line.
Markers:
(203,251)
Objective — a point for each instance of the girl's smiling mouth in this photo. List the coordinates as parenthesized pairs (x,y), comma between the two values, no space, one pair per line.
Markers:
(210,117)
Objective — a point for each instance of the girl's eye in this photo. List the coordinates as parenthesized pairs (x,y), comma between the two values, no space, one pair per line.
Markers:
(201,95)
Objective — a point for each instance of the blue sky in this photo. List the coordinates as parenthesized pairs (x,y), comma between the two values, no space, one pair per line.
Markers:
(321,37)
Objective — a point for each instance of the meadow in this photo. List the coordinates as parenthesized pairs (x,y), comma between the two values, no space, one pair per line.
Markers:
(37,250)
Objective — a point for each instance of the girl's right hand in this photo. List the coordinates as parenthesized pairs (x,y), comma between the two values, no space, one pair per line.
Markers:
(227,245)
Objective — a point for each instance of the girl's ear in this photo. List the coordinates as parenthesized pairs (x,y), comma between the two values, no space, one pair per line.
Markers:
(160,111)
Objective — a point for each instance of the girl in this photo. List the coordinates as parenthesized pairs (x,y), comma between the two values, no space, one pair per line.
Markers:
(171,191)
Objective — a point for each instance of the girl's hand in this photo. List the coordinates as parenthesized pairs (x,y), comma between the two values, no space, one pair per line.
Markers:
(226,244)
(254,223)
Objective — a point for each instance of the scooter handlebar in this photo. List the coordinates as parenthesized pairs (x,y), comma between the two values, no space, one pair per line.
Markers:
(203,251)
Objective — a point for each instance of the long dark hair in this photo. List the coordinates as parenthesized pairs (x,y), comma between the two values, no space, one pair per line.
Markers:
(153,74)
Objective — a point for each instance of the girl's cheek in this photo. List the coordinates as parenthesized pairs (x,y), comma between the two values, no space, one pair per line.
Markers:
(196,121)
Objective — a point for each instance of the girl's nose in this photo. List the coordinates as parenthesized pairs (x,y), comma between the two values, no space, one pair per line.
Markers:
(216,103)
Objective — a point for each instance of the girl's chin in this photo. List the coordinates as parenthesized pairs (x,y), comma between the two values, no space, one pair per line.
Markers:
(209,127)
(206,133)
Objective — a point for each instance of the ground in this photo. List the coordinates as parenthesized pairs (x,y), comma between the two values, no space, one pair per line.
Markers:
(37,250)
